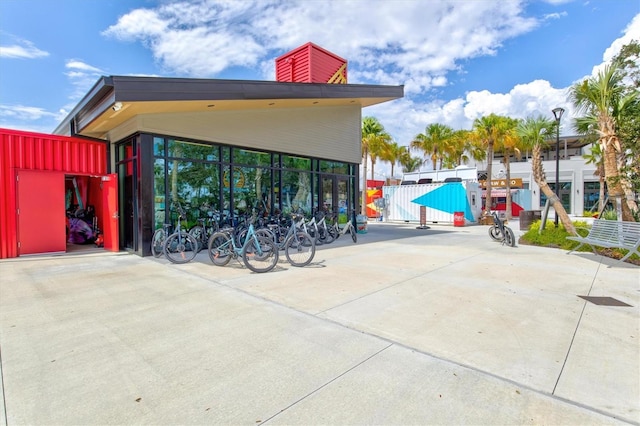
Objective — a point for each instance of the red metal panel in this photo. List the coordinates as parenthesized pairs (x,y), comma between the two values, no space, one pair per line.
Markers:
(310,63)
(37,151)
(41,218)
(110,212)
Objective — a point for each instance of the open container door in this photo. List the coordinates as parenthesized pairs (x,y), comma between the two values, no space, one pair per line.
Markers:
(110,212)
(41,212)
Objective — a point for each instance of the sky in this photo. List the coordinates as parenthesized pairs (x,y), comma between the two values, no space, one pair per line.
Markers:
(457,59)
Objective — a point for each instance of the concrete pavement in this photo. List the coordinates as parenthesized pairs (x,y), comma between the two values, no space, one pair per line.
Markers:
(436,326)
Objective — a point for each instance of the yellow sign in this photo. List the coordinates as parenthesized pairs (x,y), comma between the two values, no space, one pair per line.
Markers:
(238,178)
(502,183)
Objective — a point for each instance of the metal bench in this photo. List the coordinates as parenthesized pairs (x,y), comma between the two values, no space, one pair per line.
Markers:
(611,234)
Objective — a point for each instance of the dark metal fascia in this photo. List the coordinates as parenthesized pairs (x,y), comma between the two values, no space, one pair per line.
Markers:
(77,118)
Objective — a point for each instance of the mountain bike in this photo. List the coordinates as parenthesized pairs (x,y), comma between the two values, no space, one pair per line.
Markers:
(501,232)
(259,253)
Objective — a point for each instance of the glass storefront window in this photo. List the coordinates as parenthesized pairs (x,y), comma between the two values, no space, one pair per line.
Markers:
(591,195)
(193,151)
(298,163)
(243,156)
(334,167)
(158,147)
(565,195)
(237,181)
(296,192)
(159,192)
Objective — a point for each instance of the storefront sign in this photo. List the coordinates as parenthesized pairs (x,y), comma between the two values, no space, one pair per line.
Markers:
(502,183)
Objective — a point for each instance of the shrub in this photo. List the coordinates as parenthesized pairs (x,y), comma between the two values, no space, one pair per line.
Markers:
(557,238)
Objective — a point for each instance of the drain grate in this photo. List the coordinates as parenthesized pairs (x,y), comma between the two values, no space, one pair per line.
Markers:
(603,301)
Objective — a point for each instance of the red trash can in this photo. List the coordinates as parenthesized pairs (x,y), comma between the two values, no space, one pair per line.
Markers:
(458,219)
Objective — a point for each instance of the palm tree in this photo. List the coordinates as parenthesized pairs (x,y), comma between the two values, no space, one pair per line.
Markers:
(595,157)
(372,134)
(409,164)
(603,102)
(392,152)
(486,131)
(534,132)
(460,149)
(433,141)
(509,143)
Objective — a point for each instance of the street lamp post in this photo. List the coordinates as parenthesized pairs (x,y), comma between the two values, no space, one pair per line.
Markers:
(557,113)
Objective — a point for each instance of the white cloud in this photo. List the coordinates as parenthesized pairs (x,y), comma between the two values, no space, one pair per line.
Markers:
(632,32)
(22,50)
(21,113)
(82,76)
(418,43)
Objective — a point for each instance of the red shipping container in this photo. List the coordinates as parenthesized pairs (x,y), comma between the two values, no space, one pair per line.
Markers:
(311,63)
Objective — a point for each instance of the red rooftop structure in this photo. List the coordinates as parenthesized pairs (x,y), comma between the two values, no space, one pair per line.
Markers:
(311,63)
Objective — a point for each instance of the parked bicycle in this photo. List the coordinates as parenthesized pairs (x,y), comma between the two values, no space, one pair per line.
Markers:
(501,232)
(206,227)
(347,228)
(299,247)
(259,253)
(179,246)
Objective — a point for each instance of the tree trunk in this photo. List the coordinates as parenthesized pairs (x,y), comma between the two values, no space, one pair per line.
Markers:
(541,180)
(612,177)
(508,169)
(488,201)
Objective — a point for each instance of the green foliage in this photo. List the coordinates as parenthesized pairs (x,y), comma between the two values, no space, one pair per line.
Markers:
(609,214)
(551,236)
(557,238)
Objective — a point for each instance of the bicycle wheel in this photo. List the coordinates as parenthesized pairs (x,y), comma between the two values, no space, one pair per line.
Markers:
(326,235)
(198,232)
(220,248)
(260,254)
(354,234)
(300,249)
(509,237)
(180,247)
(494,233)
(157,242)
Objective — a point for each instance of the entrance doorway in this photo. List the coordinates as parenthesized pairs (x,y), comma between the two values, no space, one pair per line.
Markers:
(335,196)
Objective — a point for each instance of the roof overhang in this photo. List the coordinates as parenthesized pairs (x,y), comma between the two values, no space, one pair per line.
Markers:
(114,100)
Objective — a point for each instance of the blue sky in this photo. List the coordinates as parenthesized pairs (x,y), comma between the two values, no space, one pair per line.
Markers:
(458,60)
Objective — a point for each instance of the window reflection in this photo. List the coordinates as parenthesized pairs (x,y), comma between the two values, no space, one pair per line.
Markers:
(238,181)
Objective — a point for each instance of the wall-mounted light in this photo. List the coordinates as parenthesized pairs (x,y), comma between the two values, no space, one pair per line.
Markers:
(117,106)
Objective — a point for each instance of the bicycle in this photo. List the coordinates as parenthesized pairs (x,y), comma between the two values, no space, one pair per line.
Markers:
(348,227)
(501,232)
(324,234)
(206,227)
(179,246)
(158,239)
(299,247)
(259,253)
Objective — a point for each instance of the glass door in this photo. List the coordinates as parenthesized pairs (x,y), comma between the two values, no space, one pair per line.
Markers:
(127,184)
(335,197)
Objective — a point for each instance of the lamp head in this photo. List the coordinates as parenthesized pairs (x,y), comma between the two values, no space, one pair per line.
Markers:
(117,106)
(557,113)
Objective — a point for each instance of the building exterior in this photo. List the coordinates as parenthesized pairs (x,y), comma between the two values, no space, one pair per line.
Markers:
(579,185)
(227,145)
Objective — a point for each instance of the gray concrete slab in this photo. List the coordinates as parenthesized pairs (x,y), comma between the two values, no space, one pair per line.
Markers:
(438,326)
